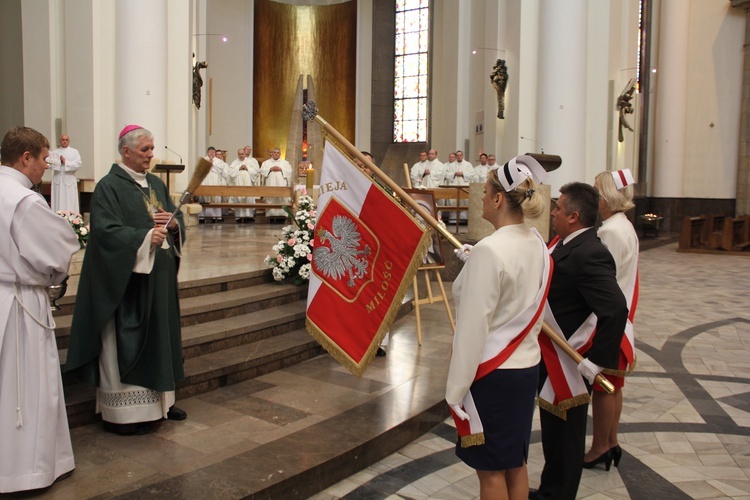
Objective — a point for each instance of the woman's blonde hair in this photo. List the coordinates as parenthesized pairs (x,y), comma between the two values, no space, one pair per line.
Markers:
(618,200)
(524,198)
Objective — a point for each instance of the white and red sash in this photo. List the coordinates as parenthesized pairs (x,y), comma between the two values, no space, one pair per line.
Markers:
(627,344)
(499,346)
(564,387)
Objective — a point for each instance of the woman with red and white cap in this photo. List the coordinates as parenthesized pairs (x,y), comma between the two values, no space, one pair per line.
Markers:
(617,233)
(494,367)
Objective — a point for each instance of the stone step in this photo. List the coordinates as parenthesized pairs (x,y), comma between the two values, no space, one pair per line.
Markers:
(229,366)
(186,289)
(214,336)
(226,304)
(210,371)
(215,306)
(234,328)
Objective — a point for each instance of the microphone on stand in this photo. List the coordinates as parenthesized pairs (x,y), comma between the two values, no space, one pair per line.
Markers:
(175,152)
(535,142)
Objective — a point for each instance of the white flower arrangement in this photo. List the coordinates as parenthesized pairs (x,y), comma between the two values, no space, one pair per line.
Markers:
(294,250)
(76,222)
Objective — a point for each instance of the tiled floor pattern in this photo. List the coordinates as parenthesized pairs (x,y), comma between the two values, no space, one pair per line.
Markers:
(685,427)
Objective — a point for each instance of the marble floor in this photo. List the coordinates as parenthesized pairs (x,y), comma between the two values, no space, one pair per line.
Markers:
(685,427)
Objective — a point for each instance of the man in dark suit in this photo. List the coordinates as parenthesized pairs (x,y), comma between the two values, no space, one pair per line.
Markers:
(583,282)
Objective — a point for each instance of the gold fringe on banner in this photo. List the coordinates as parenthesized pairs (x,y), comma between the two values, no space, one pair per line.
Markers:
(560,410)
(621,373)
(472,440)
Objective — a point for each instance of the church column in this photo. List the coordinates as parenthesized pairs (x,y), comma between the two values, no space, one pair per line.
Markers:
(141,66)
(362,127)
(671,99)
(562,87)
(743,167)
(463,86)
(39,32)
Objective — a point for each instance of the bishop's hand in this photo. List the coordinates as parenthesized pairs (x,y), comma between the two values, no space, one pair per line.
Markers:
(161,217)
(158,236)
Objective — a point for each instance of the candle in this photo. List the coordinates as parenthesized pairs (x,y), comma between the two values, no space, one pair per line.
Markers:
(310,178)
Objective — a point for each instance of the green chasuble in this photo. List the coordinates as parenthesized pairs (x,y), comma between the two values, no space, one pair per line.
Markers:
(145,306)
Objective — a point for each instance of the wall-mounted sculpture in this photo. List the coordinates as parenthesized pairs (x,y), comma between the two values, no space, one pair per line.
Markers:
(625,107)
(198,82)
(499,79)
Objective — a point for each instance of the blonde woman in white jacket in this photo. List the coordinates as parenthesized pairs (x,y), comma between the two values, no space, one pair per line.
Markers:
(499,295)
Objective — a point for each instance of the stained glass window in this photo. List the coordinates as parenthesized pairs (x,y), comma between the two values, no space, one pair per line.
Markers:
(410,75)
(640,41)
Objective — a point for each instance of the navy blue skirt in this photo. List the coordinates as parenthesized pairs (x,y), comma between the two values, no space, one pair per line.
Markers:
(505,402)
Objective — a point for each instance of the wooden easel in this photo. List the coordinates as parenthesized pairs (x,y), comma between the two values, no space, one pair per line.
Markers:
(431,299)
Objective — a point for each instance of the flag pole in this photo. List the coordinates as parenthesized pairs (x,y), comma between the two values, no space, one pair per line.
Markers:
(575,355)
(310,112)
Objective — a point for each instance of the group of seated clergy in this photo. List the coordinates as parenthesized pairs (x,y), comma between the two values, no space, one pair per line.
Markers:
(244,171)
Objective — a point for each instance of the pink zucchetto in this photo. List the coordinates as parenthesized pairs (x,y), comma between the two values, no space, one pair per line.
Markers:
(129,129)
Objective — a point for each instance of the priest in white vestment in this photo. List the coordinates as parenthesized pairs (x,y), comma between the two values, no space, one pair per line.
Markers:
(491,162)
(64,161)
(216,177)
(276,172)
(481,170)
(428,172)
(436,170)
(35,446)
(459,173)
(244,171)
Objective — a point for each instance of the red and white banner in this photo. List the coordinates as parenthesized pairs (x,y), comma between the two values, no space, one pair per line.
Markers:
(366,250)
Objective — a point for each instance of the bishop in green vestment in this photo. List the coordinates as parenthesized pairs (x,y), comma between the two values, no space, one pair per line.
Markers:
(125,336)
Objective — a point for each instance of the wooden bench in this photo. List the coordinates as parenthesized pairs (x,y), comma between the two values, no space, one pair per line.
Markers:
(287,193)
(455,194)
(736,233)
(713,231)
(692,234)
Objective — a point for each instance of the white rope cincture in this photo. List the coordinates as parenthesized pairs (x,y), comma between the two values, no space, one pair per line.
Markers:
(19,415)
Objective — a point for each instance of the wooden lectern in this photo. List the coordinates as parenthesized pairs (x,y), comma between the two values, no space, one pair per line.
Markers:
(167,168)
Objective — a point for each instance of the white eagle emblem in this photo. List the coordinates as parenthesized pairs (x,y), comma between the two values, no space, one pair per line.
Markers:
(343,256)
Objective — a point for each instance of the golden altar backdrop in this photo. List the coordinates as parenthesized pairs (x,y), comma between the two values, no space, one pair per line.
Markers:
(290,40)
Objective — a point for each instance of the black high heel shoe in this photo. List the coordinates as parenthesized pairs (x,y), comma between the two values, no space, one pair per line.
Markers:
(616,454)
(605,458)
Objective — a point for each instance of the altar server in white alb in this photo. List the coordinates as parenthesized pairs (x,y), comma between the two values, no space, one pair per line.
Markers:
(244,171)
(500,295)
(64,161)
(276,172)
(35,446)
